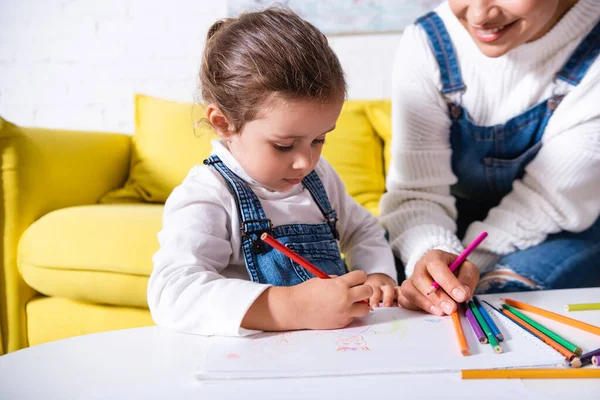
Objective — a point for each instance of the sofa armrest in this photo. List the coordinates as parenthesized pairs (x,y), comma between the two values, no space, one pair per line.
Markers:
(45,170)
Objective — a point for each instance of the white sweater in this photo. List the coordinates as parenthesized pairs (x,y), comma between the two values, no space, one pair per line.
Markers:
(200,284)
(561,186)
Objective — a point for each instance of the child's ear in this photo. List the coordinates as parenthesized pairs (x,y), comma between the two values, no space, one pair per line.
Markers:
(219,121)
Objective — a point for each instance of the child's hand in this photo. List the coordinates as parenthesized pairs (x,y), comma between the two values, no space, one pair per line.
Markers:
(384,290)
(434,266)
(331,303)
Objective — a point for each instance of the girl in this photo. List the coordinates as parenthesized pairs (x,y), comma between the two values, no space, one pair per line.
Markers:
(274,89)
(496,128)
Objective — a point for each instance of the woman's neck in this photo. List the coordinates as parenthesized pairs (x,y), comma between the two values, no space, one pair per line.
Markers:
(563,7)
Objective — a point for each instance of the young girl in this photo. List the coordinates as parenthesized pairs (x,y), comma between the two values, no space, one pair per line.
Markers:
(274,88)
(496,128)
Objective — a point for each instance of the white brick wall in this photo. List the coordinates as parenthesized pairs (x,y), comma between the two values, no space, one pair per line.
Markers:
(76,64)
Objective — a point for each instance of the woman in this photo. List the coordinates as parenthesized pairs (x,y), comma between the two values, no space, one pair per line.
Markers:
(496,127)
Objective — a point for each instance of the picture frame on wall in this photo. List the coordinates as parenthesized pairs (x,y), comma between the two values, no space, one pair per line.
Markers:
(346,17)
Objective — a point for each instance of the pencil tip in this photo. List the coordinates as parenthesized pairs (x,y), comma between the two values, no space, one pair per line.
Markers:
(498,349)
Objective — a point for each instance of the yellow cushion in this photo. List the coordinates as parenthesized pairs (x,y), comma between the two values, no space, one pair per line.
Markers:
(379,113)
(98,253)
(167,142)
(54,318)
(355,151)
(165,147)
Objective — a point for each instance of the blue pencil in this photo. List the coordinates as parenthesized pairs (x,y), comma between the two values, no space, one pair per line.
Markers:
(513,321)
(489,320)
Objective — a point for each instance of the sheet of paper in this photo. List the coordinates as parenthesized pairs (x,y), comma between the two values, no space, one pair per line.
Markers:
(388,340)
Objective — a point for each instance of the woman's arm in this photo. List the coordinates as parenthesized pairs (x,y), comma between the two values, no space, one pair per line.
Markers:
(418,210)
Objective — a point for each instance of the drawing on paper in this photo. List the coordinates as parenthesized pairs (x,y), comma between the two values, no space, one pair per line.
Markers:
(352,343)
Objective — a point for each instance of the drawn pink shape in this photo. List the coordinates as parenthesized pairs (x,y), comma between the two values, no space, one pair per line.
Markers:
(233,356)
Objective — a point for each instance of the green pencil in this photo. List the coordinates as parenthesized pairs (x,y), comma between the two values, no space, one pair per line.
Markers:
(485,327)
(564,342)
(582,307)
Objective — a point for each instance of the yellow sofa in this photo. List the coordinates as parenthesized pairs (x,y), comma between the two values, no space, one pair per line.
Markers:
(81,210)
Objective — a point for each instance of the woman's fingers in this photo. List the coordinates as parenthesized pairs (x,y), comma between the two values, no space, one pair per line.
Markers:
(439,298)
(468,275)
(439,271)
(410,296)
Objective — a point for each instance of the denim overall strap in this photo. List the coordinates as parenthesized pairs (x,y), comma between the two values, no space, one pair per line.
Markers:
(315,242)
(444,52)
(314,185)
(253,220)
(582,58)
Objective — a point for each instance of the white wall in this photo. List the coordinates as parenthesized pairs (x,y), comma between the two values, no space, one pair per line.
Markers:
(76,64)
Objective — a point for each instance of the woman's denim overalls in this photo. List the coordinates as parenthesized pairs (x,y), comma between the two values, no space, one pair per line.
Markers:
(315,242)
(487,159)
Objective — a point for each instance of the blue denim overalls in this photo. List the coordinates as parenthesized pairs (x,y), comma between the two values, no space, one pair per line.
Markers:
(315,242)
(487,159)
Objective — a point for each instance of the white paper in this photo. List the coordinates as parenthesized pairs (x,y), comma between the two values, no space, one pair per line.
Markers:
(387,341)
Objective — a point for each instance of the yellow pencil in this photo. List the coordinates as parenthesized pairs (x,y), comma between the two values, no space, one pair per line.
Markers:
(582,307)
(531,373)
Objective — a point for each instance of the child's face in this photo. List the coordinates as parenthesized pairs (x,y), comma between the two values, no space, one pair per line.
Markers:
(498,26)
(283,144)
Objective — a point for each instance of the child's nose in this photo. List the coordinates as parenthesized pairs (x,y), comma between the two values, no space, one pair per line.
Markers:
(303,160)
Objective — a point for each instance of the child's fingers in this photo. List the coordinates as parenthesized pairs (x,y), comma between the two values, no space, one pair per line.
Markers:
(414,296)
(361,292)
(354,278)
(388,295)
(359,309)
(439,271)
(376,297)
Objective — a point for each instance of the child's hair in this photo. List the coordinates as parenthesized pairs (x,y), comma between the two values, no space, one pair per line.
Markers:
(259,56)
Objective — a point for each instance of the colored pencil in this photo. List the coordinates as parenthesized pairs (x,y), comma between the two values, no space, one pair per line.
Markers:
(584,359)
(460,335)
(512,320)
(564,342)
(556,346)
(556,317)
(486,329)
(297,258)
(489,320)
(475,325)
(596,360)
(459,260)
(582,307)
(530,373)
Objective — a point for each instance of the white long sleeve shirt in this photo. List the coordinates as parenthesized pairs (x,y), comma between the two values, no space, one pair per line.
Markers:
(200,284)
(561,186)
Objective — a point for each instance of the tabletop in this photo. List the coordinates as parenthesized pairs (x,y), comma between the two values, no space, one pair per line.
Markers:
(153,363)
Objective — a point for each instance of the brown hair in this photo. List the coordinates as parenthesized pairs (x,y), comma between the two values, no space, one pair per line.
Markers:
(250,60)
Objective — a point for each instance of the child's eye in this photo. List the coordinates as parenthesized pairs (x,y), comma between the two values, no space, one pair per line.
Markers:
(284,148)
(319,141)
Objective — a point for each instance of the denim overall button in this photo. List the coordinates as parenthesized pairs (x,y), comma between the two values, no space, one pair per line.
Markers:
(554,101)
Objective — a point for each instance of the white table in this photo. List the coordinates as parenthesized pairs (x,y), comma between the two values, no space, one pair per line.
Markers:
(152,363)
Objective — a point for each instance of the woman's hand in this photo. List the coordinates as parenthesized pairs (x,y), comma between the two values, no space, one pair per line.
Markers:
(383,290)
(433,266)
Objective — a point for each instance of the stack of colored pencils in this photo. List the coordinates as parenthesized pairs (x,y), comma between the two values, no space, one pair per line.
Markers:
(572,352)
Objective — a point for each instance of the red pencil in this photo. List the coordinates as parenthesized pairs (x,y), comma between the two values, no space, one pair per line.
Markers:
(297,258)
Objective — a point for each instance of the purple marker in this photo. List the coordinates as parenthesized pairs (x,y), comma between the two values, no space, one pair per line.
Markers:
(475,325)
(596,360)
